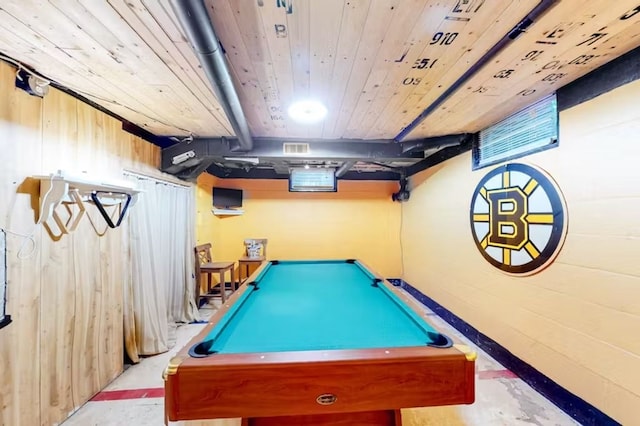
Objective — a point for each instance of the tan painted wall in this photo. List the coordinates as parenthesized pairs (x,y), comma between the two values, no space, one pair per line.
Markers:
(578,321)
(359,221)
(65,342)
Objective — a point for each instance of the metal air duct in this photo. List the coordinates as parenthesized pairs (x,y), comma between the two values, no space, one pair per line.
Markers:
(196,22)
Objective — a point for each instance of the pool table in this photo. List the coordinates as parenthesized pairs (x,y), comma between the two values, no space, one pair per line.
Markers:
(313,343)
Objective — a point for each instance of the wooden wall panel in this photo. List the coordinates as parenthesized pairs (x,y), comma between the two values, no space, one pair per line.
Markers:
(66,299)
(20,125)
(86,291)
(87,286)
(114,257)
(575,320)
(58,292)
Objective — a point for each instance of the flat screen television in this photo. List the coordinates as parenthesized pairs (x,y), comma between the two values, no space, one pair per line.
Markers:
(226,198)
(312,180)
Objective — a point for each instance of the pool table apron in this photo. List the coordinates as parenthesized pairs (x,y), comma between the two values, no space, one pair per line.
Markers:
(305,382)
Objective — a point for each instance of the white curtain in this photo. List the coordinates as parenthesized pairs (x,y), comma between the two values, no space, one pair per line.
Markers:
(161,287)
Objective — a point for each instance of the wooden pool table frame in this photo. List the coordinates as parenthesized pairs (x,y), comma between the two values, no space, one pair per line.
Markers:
(312,383)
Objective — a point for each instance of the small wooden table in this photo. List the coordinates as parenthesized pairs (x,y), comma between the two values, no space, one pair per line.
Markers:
(244,264)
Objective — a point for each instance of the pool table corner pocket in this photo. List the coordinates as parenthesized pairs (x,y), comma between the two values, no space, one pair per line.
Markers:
(172,367)
(469,353)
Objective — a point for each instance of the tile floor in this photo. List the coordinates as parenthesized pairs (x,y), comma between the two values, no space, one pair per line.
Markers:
(135,397)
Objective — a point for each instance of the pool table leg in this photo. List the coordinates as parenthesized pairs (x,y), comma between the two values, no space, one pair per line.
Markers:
(366,418)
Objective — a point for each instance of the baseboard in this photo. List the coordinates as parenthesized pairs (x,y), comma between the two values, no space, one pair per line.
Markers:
(397,282)
(579,409)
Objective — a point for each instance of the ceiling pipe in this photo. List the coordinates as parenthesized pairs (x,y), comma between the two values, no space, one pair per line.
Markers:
(344,168)
(535,13)
(196,23)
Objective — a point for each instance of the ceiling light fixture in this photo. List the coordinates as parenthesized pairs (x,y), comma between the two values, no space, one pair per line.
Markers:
(307,112)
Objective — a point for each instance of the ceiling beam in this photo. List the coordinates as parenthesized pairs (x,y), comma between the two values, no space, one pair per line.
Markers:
(344,168)
(272,174)
(189,153)
(443,155)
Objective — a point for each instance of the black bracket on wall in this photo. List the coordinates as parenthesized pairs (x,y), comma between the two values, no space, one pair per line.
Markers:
(6,319)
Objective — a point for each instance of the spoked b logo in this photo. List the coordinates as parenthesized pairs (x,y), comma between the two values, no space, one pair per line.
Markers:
(518,218)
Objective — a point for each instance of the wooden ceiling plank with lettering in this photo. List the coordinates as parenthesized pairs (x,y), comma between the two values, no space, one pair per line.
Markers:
(353,24)
(463,35)
(560,48)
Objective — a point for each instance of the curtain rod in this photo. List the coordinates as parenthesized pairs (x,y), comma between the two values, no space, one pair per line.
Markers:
(157,179)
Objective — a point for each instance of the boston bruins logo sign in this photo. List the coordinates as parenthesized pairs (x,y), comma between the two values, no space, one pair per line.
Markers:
(518,219)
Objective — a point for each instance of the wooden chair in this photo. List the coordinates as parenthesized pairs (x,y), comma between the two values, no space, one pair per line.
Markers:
(205,265)
(246,261)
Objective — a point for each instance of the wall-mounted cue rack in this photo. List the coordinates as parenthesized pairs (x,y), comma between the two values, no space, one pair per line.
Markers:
(63,189)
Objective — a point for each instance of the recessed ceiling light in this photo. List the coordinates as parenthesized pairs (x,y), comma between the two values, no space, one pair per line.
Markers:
(307,112)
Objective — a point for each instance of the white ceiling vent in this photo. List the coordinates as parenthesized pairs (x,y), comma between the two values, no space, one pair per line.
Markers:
(295,148)
(530,130)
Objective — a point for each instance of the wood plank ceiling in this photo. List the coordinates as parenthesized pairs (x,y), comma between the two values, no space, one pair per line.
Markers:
(375,64)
